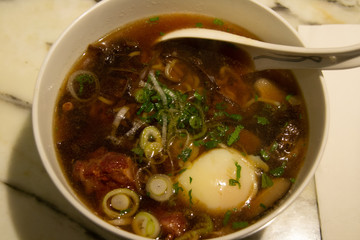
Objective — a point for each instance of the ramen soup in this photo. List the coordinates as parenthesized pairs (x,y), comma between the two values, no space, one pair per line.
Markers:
(178,140)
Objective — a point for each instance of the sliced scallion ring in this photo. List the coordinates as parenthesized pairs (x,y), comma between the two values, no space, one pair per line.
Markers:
(146,225)
(151,141)
(159,187)
(77,83)
(152,149)
(121,202)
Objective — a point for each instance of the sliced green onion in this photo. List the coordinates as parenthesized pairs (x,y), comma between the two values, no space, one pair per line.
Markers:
(151,141)
(202,120)
(185,154)
(157,87)
(195,122)
(152,149)
(154,19)
(121,202)
(211,144)
(262,120)
(235,135)
(266,181)
(199,25)
(218,22)
(265,155)
(141,95)
(227,217)
(146,225)
(277,172)
(159,187)
(81,78)
(190,196)
(239,225)
(120,115)
(177,188)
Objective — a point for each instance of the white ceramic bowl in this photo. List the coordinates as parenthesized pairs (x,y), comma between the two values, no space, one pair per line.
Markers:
(109,15)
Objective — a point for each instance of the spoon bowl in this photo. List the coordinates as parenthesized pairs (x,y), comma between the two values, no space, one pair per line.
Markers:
(274,56)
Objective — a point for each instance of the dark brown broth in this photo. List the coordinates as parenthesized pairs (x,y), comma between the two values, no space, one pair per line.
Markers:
(83,130)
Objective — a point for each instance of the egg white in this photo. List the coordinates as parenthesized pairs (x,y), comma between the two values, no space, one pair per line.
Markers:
(206,181)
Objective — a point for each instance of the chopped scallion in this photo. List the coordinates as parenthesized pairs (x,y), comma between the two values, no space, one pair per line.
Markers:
(185,154)
(177,188)
(199,25)
(218,22)
(265,155)
(154,19)
(266,181)
(239,225)
(262,120)
(235,135)
(227,217)
(190,196)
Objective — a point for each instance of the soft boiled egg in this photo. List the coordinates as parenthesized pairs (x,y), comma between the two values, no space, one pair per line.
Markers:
(218,180)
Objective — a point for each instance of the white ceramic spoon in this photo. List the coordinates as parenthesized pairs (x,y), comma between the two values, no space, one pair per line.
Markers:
(273,56)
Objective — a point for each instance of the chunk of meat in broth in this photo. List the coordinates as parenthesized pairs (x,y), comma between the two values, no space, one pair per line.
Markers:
(173,223)
(104,171)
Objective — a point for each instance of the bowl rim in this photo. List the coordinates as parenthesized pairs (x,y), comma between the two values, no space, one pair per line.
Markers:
(257,226)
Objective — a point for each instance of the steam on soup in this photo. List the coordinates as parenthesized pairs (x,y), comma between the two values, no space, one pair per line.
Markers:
(180,140)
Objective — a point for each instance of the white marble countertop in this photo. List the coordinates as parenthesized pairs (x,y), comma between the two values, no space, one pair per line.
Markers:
(30,205)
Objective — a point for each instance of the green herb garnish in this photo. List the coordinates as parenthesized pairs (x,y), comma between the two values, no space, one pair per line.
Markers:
(239,225)
(190,197)
(198,143)
(177,188)
(265,155)
(82,79)
(279,171)
(227,217)
(182,170)
(185,154)
(233,182)
(262,120)
(220,106)
(235,135)
(266,181)
(195,122)
(236,117)
(218,22)
(154,19)
(199,25)
(274,146)
(138,151)
(238,171)
(211,144)
(198,96)
(287,98)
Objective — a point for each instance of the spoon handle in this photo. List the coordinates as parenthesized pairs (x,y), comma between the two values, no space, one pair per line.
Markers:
(269,55)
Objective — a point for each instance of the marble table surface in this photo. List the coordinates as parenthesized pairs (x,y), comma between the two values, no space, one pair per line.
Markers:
(30,205)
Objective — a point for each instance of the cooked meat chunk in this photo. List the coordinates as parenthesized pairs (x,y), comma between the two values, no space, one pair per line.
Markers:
(104,171)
